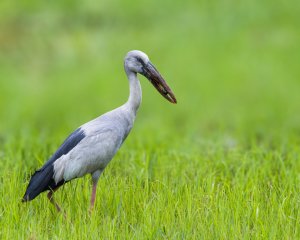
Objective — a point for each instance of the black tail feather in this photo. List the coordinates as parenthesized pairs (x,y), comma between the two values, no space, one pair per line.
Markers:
(41,181)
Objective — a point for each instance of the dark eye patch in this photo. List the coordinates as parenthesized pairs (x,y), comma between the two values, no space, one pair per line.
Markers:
(140,60)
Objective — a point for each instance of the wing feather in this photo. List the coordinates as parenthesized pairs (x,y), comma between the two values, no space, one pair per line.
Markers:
(42,179)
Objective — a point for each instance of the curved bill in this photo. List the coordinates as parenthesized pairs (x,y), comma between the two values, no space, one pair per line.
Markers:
(150,72)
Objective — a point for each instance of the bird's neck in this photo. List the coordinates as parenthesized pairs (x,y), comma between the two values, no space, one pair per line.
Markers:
(135,96)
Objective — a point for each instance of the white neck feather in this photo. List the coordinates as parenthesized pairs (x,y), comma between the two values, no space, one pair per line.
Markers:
(135,96)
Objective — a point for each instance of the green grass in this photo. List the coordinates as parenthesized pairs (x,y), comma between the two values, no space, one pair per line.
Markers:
(221,164)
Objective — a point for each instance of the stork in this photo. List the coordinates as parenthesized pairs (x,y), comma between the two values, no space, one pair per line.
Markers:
(91,147)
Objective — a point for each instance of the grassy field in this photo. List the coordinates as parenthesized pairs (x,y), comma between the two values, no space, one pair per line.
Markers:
(221,164)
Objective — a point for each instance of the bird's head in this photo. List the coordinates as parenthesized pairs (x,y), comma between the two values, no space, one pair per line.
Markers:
(138,62)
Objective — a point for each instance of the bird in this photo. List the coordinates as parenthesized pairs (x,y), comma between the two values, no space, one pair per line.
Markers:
(90,148)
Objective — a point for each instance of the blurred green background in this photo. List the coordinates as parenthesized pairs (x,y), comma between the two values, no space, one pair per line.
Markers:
(234,66)
(224,160)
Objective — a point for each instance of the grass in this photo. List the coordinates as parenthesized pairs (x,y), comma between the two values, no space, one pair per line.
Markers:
(222,164)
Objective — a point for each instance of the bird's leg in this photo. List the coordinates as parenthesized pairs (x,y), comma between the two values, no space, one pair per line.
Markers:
(51,199)
(93,197)
(95,178)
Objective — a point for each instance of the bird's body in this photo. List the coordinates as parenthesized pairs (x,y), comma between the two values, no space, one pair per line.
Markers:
(103,136)
(90,148)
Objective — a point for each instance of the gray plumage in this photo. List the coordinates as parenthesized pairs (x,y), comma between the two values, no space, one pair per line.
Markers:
(92,146)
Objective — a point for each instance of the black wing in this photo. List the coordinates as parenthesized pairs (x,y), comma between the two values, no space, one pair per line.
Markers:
(42,179)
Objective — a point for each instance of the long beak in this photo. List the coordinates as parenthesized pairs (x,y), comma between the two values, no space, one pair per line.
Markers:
(150,72)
